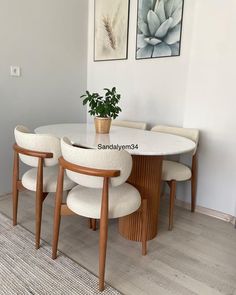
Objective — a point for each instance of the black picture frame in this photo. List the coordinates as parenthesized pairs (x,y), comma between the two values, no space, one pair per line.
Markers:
(180,40)
(127,36)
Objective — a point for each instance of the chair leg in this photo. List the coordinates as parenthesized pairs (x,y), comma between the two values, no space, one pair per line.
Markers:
(94,224)
(193,193)
(38,215)
(194,183)
(103,235)
(144,226)
(102,253)
(40,197)
(56,230)
(15,195)
(39,203)
(57,212)
(172,203)
(15,191)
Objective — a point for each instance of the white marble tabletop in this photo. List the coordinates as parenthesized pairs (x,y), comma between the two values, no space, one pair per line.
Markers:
(136,141)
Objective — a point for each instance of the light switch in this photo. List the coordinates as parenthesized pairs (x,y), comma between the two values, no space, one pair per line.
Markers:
(15,71)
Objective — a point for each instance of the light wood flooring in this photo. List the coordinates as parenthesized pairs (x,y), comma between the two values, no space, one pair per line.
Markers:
(197,257)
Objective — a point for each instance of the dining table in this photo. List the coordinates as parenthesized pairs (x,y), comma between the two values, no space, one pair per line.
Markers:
(148,148)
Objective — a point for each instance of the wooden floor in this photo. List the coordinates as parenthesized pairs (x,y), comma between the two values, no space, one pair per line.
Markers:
(197,257)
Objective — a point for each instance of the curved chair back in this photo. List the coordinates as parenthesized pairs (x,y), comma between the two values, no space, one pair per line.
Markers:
(97,159)
(190,133)
(37,142)
(130,124)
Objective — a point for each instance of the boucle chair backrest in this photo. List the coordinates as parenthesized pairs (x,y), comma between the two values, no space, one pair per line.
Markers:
(37,142)
(130,124)
(190,133)
(98,159)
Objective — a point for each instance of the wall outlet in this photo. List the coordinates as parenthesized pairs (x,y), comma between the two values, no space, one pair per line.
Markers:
(15,71)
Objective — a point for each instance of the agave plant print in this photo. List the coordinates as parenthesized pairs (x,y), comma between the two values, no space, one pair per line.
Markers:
(159,28)
(111,29)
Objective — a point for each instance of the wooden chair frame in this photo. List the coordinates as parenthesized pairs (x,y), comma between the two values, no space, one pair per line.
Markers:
(172,185)
(62,209)
(17,186)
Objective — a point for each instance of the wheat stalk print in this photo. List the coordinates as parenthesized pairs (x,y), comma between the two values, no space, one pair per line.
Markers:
(109,30)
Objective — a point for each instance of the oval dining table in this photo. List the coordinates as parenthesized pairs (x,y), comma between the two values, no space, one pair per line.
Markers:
(147,149)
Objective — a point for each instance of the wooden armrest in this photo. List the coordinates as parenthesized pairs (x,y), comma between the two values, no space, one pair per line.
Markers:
(36,154)
(88,171)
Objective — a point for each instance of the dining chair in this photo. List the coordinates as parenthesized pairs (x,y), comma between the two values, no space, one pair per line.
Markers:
(130,124)
(173,172)
(40,152)
(102,193)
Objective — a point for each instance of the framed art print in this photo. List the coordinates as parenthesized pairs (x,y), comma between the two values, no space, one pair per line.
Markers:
(111,29)
(159,28)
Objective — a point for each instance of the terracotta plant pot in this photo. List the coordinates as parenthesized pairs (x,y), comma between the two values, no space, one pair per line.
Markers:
(102,125)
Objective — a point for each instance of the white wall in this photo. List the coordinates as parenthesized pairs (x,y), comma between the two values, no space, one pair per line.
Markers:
(48,39)
(193,90)
(211,102)
(152,90)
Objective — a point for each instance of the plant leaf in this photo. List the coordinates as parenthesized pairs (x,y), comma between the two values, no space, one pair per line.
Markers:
(153,22)
(152,41)
(156,6)
(85,101)
(103,106)
(145,6)
(169,7)
(177,16)
(143,27)
(175,49)
(163,29)
(145,52)
(161,49)
(177,4)
(160,11)
(140,41)
(173,35)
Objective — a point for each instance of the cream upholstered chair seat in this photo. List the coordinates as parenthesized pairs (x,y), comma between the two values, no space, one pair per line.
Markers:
(123,200)
(50,174)
(175,170)
(130,124)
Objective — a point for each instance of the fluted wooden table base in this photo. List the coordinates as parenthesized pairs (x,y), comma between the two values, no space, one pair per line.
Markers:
(146,177)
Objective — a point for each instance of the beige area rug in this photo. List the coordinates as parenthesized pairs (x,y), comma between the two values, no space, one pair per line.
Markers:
(24,270)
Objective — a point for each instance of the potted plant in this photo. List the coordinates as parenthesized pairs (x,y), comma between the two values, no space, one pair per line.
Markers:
(104,108)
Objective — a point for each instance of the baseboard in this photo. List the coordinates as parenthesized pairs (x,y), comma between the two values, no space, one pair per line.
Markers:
(207,211)
(234,221)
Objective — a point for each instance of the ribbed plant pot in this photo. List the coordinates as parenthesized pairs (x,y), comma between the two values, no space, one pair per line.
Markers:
(102,125)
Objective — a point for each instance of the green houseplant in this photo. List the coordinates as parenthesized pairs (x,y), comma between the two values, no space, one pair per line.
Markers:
(104,108)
